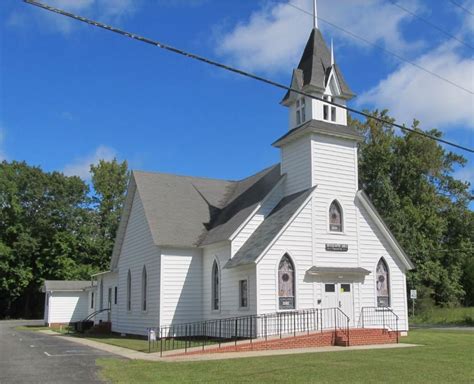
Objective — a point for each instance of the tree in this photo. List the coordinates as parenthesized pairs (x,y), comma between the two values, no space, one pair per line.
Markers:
(109,180)
(40,218)
(410,180)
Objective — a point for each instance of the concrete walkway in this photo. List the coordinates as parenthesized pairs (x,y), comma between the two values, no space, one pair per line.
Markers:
(135,355)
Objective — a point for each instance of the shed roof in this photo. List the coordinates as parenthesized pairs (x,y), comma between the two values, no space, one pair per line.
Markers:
(65,285)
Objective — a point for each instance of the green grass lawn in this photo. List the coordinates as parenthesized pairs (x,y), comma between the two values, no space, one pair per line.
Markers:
(445,316)
(445,357)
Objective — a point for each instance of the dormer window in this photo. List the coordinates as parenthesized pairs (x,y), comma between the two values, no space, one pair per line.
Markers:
(335,217)
(300,111)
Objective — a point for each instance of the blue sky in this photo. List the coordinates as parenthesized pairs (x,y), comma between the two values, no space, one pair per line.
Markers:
(72,93)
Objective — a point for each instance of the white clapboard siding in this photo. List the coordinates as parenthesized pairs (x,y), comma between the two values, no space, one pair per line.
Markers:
(296,240)
(229,289)
(296,164)
(66,307)
(138,250)
(181,286)
(249,228)
(373,246)
(109,281)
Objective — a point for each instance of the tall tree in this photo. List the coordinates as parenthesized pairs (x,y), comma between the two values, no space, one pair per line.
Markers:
(40,218)
(410,180)
(109,180)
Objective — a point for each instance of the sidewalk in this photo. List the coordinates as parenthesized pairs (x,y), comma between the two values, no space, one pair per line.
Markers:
(135,355)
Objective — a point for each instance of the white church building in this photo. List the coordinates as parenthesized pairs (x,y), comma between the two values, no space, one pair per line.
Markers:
(296,236)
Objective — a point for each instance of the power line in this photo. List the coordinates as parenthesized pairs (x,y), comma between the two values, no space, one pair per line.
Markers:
(237,71)
(399,57)
(451,36)
(461,7)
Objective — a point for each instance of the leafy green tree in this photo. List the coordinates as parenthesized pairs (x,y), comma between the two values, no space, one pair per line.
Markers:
(410,180)
(40,217)
(109,180)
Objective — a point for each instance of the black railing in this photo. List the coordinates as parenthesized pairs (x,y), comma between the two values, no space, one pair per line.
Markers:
(94,314)
(379,317)
(219,331)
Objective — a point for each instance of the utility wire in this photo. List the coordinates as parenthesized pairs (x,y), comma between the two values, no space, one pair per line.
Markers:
(461,7)
(401,58)
(432,25)
(238,71)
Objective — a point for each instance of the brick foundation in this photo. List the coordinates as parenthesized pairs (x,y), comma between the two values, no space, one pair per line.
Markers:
(324,339)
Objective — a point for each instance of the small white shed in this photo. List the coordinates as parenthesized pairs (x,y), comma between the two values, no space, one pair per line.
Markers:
(65,301)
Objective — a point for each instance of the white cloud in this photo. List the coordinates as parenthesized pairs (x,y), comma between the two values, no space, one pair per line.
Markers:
(410,93)
(81,166)
(273,37)
(103,10)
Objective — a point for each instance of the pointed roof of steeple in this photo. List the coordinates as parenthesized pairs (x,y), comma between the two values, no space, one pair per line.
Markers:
(315,63)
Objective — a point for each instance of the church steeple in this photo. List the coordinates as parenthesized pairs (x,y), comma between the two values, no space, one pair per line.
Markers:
(319,75)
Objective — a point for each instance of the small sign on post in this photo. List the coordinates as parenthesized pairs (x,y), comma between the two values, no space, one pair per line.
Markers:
(413,298)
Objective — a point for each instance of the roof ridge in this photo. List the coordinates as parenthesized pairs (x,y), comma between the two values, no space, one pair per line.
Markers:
(135,171)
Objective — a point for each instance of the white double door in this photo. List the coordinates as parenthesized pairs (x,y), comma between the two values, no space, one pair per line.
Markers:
(339,295)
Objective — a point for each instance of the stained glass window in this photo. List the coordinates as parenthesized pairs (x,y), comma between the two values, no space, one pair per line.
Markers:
(382,284)
(335,217)
(286,283)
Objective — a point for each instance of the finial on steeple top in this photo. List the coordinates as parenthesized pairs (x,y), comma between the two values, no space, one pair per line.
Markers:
(315,14)
(332,53)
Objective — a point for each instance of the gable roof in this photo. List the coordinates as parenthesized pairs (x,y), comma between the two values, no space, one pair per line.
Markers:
(65,285)
(316,66)
(379,222)
(321,127)
(184,211)
(266,232)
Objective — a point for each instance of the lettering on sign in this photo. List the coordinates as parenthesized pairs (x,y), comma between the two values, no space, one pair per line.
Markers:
(337,247)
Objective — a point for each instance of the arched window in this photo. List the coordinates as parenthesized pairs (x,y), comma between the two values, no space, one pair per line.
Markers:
(335,217)
(382,284)
(101,294)
(144,288)
(215,286)
(286,283)
(129,291)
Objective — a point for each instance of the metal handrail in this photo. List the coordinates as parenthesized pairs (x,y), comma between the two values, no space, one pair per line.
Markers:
(383,317)
(232,329)
(93,314)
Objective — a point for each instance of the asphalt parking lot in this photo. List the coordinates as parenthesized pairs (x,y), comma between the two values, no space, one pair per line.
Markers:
(33,357)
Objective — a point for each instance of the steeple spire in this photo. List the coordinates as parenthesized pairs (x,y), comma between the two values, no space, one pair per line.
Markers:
(332,53)
(315,14)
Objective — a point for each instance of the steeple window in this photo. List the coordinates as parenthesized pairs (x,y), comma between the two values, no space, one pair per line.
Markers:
(300,111)
(333,113)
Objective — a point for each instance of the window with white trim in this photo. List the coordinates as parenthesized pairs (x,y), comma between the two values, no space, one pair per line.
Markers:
(144,288)
(215,286)
(243,294)
(129,291)
(286,283)
(300,111)
(382,284)
(335,217)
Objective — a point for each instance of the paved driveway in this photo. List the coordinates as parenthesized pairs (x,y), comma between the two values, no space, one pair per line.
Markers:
(32,357)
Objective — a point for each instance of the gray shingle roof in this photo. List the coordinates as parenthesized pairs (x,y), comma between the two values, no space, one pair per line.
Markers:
(268,229)
(322,127)
(65,285)
(191,211)
(315,64)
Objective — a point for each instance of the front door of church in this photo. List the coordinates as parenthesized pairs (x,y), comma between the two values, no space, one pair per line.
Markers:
(339,295)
